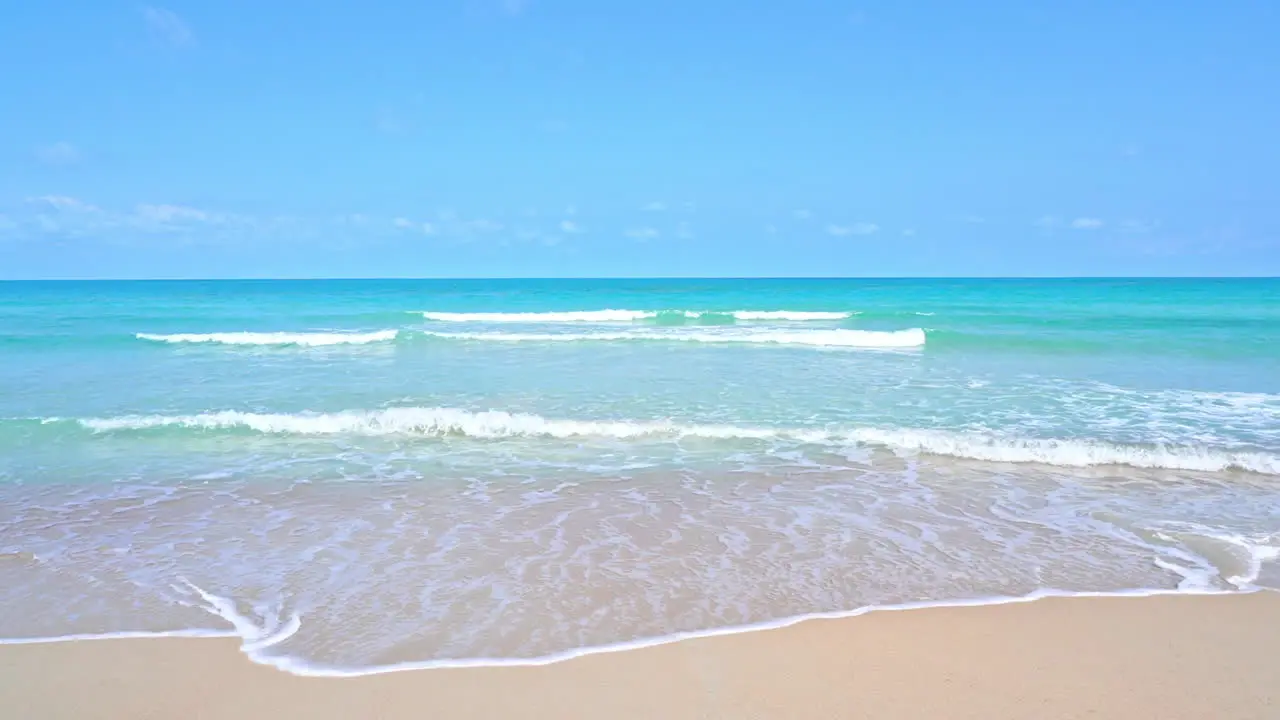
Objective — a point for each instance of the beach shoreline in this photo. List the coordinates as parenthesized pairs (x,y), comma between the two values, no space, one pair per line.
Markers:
(1169,656)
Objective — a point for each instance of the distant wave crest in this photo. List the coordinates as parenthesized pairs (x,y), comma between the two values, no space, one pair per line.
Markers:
(621,316)
(440,422)
(913,337)
(312,339)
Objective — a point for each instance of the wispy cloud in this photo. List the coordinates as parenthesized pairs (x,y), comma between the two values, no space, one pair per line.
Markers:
(63,216)
(684,231)
(1138,227)
(173,213)
(72,217)
(802,214)
(59,153)
(655,206)
(1086,223)
(409,225)
(771,229)
(168,26)
(64,203)
(642,233)
(862,228)
(1047,222)
(909,232)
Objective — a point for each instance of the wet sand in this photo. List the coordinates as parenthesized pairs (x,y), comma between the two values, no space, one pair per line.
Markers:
(1169,657)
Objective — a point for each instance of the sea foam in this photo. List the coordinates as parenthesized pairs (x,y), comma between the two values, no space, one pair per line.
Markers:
(440,422)
(622,316)
(913,337)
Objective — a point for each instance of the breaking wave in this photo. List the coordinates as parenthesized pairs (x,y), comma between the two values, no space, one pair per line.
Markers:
(441,422)
(914,337)
(622,316)
(312,339)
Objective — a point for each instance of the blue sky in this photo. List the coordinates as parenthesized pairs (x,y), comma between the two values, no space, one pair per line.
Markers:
(575,138)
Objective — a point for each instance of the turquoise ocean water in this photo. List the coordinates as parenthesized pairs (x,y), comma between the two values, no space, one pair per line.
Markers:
(353,475)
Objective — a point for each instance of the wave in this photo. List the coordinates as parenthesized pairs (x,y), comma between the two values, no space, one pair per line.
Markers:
(440,422)
(914,337)
(619,316)
(313,339)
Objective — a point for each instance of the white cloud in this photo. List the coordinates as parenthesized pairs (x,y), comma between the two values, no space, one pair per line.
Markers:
(1048,221)
(59,153)
(862,228)
(909,232)
(571,210)
(1086,223)
(801,214)
(484,226)
(403,223)
(63,203)
(570,226)
(428,229)
(1138,226)
(683,231)
(655,206)
(642,233)
(168,26)
(161,218)
(172,213)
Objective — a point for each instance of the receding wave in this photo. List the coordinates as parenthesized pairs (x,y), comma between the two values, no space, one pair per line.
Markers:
(622,316)
(312,339)
(441,422)
(913,337)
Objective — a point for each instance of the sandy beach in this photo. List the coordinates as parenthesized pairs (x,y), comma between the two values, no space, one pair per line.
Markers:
(1159,657)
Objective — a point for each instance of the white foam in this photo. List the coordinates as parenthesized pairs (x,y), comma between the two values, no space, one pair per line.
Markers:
(789,315)
(437,422)
(914,337)
(314,339)
(584,316)
(424,421)
(616,316)
(257,641)
(1067,453)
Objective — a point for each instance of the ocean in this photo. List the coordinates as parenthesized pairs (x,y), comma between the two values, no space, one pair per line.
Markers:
(361,475)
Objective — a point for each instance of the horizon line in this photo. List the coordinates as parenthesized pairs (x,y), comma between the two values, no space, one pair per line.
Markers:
(473,278)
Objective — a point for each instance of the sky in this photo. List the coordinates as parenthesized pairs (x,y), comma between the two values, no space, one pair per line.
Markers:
(548,138)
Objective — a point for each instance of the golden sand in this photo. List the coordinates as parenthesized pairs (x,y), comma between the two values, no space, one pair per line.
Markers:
(1166,658)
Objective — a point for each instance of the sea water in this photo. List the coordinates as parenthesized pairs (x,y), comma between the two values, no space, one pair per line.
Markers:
(359,475)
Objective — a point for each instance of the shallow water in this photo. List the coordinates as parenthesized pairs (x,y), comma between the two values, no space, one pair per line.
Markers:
(364,473)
